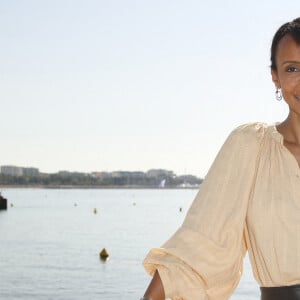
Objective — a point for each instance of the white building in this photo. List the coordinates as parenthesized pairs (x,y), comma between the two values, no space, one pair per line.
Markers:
(12,170)
(18,171)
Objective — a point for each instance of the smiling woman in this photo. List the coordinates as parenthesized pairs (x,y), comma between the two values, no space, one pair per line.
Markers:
(249,201)
(285,69)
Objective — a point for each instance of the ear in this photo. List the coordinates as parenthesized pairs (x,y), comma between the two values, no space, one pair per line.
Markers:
(275,78)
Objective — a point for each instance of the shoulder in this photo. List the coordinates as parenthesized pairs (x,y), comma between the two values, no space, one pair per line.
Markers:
(250,131)
(247,137)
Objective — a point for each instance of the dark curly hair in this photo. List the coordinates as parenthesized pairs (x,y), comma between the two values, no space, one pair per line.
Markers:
(293,29)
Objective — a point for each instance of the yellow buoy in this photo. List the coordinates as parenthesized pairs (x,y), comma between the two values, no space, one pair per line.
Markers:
(104,254)
(95,210)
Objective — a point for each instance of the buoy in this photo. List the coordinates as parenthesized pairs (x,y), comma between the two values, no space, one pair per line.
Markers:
(95,210)
(134,204)
(104,254)
(180,209)
(75,204)
(11,205)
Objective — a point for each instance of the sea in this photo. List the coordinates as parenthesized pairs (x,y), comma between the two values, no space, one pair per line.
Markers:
(50,240)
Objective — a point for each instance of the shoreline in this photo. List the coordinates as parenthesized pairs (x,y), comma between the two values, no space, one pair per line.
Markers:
(74,187)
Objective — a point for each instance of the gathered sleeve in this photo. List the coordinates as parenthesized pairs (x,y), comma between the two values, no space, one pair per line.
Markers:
(203,259)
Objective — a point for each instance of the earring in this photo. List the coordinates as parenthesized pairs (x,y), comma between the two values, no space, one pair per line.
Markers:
(278,94)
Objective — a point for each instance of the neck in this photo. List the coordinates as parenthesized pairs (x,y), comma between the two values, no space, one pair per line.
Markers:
(290,128)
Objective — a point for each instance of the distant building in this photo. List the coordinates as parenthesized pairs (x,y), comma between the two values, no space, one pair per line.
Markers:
(101,175)
(160,173)
(12,170)
(18,171)
(64,173)
(68,173)
(134,174)
(117,174)
(30,171)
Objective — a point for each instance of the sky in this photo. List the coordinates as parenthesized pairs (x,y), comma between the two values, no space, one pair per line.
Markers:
(111,85)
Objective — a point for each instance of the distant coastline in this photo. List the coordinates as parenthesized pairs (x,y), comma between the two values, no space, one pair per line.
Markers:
(78,187)
(21,177)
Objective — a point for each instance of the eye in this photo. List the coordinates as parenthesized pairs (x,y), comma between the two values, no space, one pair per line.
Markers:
(292,69)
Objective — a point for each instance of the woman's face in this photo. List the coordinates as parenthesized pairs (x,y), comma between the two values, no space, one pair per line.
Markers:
(287,75)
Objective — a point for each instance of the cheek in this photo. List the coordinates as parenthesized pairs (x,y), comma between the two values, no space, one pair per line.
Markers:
(297,80)
(289,83)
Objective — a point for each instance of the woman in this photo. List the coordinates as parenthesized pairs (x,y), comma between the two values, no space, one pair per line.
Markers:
(249,201)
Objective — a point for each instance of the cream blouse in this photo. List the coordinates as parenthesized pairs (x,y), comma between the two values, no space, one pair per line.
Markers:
(249,201)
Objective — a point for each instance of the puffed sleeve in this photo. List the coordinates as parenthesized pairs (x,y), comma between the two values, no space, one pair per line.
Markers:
(203,259)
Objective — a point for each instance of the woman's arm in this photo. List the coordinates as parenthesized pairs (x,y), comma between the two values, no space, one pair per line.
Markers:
(203,258)
(155,290)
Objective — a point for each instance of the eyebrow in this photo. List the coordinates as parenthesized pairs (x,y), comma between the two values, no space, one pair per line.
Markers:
(290,62)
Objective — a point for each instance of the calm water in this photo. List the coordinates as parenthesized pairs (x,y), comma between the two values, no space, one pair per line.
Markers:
(50,242)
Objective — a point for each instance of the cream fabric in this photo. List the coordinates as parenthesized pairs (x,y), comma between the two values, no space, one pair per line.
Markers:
(249,200)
